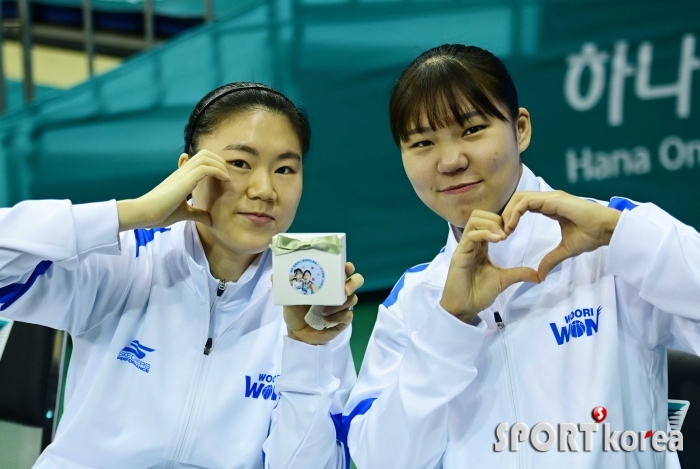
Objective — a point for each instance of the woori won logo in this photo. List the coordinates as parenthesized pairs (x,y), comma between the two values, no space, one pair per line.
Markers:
(578,323)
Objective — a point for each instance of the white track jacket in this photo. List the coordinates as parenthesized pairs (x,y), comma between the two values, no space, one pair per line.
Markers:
(141,392)
(432,390)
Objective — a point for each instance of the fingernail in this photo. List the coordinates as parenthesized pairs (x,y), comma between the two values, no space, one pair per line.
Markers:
(502,233)
(325,311)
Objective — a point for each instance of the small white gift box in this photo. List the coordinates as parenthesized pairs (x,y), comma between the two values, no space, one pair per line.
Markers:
(309,269)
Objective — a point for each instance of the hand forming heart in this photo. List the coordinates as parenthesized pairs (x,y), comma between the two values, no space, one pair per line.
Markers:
(473,282)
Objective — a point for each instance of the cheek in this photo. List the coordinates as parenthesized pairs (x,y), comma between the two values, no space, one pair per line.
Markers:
(501,159)
(288,197)
(220,197)
(289,192)
(419,172)
(205,193)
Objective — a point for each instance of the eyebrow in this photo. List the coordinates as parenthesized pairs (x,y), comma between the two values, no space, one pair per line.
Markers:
(248,149)
(464,117)
(242,147)
(290,155)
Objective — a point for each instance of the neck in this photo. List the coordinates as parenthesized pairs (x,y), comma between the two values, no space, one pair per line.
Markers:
(224,263)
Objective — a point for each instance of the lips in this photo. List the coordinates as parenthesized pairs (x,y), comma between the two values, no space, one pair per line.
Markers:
(460,188)
(258,218)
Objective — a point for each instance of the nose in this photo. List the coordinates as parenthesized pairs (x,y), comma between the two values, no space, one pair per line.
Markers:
(453,160)
(260,186)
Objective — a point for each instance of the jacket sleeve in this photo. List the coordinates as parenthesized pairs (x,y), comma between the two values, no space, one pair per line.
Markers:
(656,262)
(314,384)
(60,264)
(397,413)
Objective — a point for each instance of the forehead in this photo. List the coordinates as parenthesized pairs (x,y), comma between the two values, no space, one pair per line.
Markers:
(269,131)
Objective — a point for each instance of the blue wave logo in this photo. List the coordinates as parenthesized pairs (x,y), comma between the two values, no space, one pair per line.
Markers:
(134,353)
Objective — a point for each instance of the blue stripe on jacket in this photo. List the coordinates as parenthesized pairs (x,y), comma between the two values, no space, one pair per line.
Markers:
(342,436)
(621,204)
(144,236)
(360,409)
(394,295)
(11,293)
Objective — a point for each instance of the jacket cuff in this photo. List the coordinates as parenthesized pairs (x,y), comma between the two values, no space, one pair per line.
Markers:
(96,227)
(306,365)
(446,336)
(633,248)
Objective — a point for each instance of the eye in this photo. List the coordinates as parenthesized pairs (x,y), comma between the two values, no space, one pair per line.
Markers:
(422,144)
(473,129)
(285,170)
(239,164)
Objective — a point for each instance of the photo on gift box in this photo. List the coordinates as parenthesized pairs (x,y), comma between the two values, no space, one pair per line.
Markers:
(306,276)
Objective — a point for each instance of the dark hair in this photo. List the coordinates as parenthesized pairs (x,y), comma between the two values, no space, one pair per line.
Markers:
(298,270)
(443,81)
(236,97)
(307,272)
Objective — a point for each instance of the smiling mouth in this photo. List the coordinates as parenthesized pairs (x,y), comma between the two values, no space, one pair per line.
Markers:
(460,188)
(257,218)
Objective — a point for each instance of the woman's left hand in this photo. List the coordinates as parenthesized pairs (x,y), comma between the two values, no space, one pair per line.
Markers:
(585,225)
(298,329)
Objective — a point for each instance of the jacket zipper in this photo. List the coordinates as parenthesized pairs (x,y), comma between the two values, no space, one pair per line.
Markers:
(250,305)
(219,291)
(502,328)
(207,350)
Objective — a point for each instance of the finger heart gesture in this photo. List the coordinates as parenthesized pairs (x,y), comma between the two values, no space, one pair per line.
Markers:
(474,282)
(585,225)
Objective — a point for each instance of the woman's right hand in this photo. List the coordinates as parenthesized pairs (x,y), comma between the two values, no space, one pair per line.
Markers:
(473,282)
(167,202)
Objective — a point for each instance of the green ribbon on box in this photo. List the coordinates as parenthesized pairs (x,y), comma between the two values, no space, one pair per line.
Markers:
(284,245)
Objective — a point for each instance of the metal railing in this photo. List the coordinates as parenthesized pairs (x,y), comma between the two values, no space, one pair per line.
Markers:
(3,90)
(89,36)
(25,27)
(25,19)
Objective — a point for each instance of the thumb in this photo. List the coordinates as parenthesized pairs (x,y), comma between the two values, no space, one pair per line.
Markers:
(552,259)
(518,274)
(198,215)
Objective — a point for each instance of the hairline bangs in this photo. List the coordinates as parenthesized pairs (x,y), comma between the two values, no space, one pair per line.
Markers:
(446,93)
(227,112)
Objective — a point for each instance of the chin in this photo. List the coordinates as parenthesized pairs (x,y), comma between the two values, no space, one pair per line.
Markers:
(248,244)
(454,217)
(458,223)
(239,239)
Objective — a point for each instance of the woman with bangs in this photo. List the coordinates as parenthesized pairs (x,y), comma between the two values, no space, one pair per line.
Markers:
(541,307)
(181,359)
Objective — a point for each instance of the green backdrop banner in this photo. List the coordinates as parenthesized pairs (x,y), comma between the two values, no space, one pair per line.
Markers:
(612,89)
